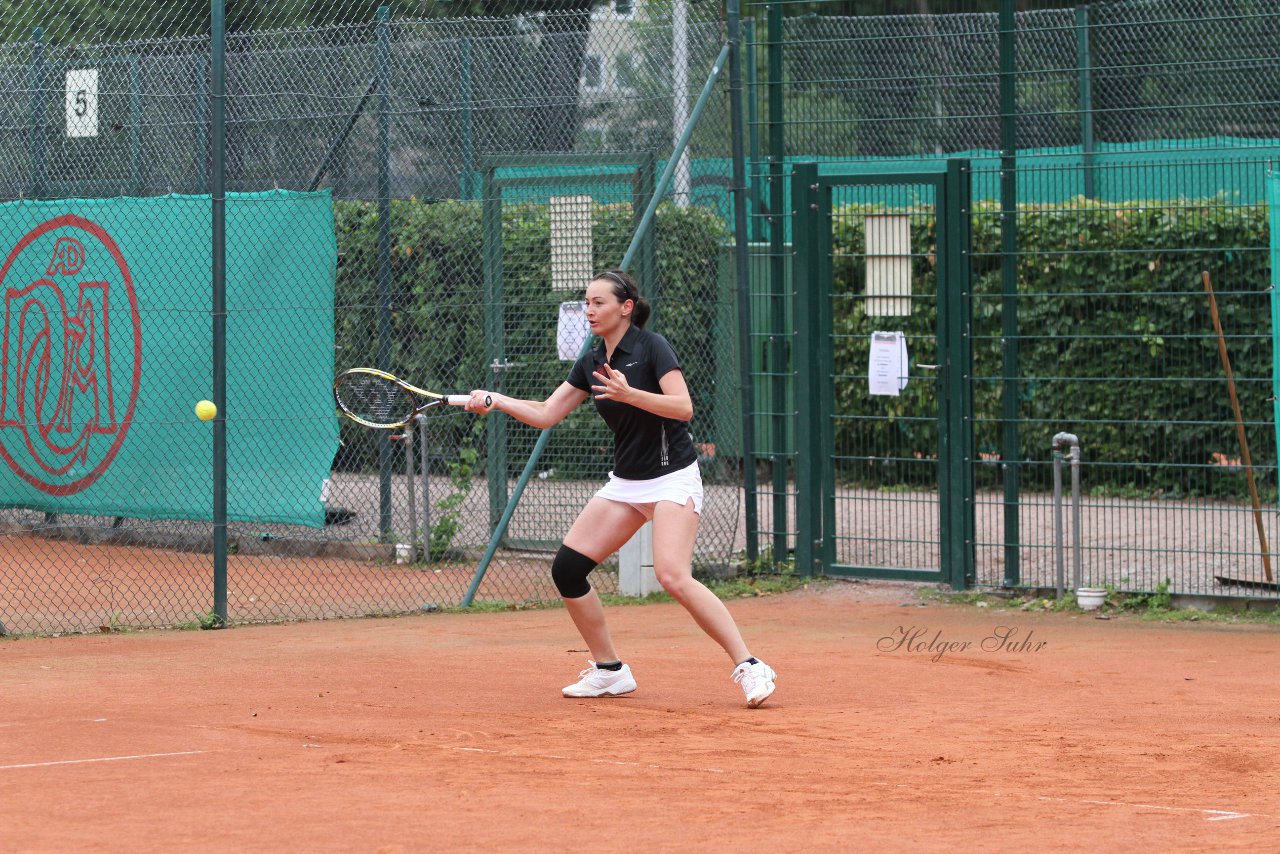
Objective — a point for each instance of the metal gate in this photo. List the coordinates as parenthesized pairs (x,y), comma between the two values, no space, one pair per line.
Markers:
(590,204)
(883,373)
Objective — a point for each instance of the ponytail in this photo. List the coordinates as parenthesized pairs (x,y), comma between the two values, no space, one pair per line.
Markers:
(641,313)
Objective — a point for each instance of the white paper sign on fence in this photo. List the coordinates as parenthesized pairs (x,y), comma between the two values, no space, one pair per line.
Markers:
(887,367)
(571,330)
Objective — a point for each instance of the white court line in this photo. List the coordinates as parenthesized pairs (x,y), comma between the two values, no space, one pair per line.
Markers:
(101,759)
(11,724)
(1213,815)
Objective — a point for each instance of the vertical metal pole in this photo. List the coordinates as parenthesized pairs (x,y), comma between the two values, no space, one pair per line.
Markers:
(1085,85)
(1010,463)
(742,268)
(424,449)
(135,127)
(955,309)
(641,187)
(1071,443)
(819,360)
(36,142)
(382,65)
(494,341)
(409,485)
(1077,556)
(753,125)
(644,264)
(217,192)
(804,200)
(777,349)
(468,152)
(680,97)
(1059,576)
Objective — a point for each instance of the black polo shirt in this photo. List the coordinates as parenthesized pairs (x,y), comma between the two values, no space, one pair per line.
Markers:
(645,445)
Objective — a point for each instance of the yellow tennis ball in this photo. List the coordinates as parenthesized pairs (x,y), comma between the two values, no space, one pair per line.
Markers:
(205,410)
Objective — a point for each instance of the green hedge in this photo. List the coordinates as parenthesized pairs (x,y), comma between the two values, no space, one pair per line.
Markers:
(1117,340)
(438,316)
(1117,345)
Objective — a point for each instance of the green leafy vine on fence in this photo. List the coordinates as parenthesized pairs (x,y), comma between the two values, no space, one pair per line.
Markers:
(449,521)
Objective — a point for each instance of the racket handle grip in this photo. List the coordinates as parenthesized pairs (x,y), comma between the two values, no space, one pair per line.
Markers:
(461,399)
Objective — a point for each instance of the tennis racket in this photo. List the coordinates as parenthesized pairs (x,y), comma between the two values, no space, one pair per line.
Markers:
(378,399)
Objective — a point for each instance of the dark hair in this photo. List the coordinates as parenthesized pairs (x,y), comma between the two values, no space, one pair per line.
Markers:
(624,288)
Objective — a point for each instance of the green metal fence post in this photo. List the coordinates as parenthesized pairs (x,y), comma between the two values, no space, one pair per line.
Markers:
(779,335)
(820,364)
(494,341)
(955,302)
(949,385)
(807,247)
(36,142)
(217,192)
(382,66)
(639,186)
(645,269)
(468,143)
(1085,85)
(1010,454)
(753,126)
(742,262)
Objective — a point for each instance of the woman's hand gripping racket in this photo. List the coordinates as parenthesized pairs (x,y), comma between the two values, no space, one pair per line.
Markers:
(377,399)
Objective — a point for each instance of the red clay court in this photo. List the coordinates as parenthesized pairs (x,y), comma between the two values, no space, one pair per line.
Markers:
(446,732)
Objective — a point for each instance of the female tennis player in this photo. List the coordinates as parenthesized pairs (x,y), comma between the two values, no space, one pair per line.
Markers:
(634,377)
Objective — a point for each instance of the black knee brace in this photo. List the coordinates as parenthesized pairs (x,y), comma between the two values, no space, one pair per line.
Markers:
(569,571)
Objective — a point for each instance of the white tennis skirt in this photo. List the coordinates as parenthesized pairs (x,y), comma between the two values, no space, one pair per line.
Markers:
(678,486)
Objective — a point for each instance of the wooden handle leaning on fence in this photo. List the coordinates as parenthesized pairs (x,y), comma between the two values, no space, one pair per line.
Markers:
(1244,442)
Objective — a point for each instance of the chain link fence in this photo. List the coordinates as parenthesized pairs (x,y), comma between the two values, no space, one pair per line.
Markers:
(1119,152)
(1114,72)
(424,191)
(418,189)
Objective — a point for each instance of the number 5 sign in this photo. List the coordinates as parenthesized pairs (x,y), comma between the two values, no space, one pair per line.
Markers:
(82,102)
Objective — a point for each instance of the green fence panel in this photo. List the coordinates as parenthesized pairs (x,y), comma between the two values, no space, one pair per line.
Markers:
(1136,138)
(1273,211)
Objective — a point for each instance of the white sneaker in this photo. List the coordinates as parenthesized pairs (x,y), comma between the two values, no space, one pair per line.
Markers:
(757,681)
(597,682)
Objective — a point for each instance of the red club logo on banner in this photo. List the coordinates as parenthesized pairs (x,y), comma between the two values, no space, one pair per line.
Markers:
(71,354)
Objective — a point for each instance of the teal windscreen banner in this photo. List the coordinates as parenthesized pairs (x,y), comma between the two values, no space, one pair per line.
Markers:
(107,347)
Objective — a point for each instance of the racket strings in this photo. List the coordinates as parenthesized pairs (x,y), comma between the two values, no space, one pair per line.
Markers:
(374,399)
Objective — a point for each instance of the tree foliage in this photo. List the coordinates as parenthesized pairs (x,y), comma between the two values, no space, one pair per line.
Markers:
(109,21)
